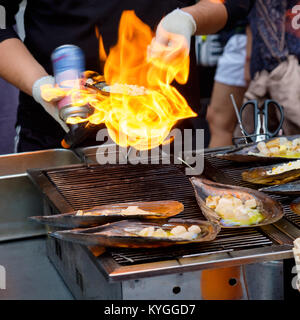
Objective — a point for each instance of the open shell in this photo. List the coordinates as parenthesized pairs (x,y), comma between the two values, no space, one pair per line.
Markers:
(109,213)
(125,233)
(260,175)
(268,207)
(292,188)
(295,206)
(241,154)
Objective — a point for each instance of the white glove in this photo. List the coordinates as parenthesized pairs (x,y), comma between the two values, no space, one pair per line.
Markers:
(50,106)
(178,22)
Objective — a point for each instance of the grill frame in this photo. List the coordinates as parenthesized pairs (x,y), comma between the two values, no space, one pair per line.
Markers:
(233,176)
(281,234)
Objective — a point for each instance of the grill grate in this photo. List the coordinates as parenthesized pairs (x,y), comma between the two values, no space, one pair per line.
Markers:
(226,241)
(230,172)
(84,187)
(291,216)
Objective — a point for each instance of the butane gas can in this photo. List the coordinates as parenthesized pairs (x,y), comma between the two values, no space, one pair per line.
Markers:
(68,67)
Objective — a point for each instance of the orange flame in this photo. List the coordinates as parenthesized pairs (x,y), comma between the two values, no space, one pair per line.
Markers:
(145,106)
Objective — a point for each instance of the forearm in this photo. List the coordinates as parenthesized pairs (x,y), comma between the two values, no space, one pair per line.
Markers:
(210,15)
(18,66)
(248,55)
(249,42)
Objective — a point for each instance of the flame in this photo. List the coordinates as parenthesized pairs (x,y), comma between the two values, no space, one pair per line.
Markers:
(142,106)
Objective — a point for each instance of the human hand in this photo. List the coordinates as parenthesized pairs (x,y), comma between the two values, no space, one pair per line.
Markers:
(173,36)
(48,99)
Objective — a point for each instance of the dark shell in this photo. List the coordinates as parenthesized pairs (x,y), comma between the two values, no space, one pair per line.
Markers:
(124,234)
(269,208)
(292,188)
(240,154)
(260,176)
(295,206)
(99,215)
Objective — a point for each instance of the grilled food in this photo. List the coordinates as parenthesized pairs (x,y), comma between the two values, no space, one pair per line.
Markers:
(129,211)
(234,211)
(280,147)
(127,89)
(293,165)
(273,175)
(292,188)
(234,206)
(113,212)
(274,149)
(143,234)
(178,232)
(295,206)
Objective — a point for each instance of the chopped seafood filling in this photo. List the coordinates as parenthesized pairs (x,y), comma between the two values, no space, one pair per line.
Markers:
(233,210)
(79,213)
(293,165)
(280,147)
(147,232)
(194,229)
(131,210)
(178,232)
(128,89)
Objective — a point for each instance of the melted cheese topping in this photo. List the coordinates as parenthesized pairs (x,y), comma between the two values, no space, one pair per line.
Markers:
(234,211)
(293,165)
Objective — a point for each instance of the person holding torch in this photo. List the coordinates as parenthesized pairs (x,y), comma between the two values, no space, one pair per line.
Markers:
(49,24)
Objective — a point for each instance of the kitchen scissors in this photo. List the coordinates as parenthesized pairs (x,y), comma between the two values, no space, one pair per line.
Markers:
(261,119)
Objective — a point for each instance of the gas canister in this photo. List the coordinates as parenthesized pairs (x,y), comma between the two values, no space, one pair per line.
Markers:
(68,66)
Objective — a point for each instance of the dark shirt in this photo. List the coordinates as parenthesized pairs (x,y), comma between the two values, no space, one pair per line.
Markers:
(226,34)
(237,11)
(237,19)
(273,36)
(52,23)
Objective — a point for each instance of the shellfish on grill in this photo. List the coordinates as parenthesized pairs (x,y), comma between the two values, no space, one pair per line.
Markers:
(270,210)
(295,206)
(113,212)
(274,174)
(251,152)
(126,233)
(292,188)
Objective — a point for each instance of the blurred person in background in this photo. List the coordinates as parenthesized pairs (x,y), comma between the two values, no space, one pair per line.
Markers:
(229,79)
(275,73)
(208,51)
(274,68)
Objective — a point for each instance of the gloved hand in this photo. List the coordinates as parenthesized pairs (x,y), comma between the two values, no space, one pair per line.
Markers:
(50,104)
(173,35)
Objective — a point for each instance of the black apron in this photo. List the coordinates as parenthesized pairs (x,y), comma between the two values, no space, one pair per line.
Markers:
(49,24)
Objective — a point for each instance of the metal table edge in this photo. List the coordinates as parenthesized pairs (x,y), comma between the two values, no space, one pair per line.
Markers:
(115,273)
